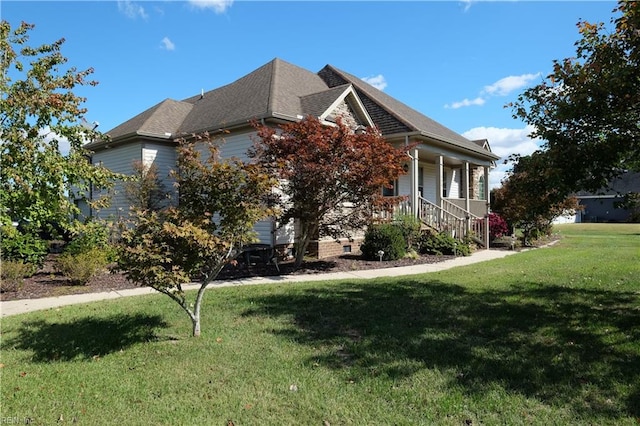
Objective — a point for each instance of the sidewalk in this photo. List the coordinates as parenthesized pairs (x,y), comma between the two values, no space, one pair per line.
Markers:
(15,307)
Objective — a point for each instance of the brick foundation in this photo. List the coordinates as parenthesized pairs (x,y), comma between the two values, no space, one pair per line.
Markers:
(322,249)
(330,248)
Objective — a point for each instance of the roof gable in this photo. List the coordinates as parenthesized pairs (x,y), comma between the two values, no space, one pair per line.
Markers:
(338,101)
(392,116)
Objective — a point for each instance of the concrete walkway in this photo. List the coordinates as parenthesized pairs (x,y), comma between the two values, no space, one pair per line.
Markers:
(15,307)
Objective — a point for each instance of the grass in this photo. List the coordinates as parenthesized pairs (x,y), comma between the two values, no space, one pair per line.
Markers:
(548,336)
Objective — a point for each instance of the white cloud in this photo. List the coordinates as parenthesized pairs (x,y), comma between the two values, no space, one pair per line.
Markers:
(48,136)
(467,4)
(377,81)
(504,142)
(167,44)
(466,102)
(132,10)
(218,6)
(506,85)
(502,87)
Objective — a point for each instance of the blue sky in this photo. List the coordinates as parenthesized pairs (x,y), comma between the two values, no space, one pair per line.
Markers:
(458,62)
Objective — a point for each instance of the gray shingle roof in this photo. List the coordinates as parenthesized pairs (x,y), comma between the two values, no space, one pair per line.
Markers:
(316,104)
(165,117)
(283,90)
(274,88)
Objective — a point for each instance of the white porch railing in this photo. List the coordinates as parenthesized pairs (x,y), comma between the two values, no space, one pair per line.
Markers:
(388,215)
(439,219)
(475,224)
(449,218)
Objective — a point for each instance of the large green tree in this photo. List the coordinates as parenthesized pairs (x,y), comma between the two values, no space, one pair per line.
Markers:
(587,111)
(331,176)
(530,197)
(219,203)
(39,114)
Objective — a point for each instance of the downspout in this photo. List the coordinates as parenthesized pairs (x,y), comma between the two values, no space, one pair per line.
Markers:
(488,200)
(413,176)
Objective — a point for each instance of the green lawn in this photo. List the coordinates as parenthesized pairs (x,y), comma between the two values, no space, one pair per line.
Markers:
(548,336)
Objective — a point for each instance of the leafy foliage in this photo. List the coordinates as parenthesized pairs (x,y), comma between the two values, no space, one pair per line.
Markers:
(39,113)
(410,227)
(330,175)
(497,226)
(530,197)
(26,247)
(220,201)
(146,190)
(386,237)
(83,266)
(441,243)
(587,110)
(12,274)
(93,235)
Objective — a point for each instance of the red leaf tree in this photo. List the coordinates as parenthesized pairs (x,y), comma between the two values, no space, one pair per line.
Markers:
(331,176)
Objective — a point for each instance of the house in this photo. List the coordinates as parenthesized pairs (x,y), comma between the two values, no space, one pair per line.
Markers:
(447,179)
(602,206)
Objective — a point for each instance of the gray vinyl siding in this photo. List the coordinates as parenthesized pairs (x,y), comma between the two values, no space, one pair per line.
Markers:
(429,177)
(404,185)
(118,160)
(231,146)
(237,146)
(453,183)
(164,158)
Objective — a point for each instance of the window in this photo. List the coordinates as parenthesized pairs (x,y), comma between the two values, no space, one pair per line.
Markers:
(481,188)
(390,190)
(421,181)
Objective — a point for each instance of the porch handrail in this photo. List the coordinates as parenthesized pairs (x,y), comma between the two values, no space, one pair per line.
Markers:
(450,218)
(474,223)
(438,218)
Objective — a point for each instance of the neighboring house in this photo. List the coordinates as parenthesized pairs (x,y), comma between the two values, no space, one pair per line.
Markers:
(448,175)
(602,206)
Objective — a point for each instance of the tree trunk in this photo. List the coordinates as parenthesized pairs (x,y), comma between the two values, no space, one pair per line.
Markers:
(307,230)
(196,326)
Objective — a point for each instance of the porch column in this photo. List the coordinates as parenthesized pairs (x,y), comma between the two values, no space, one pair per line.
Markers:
(465,191)
(486,197)
(414,183)
(439,179)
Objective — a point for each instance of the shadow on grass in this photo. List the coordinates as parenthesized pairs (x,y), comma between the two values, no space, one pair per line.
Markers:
(84,338)
(564,346)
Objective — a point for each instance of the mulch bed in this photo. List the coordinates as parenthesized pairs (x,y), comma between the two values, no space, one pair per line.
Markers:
(49,283)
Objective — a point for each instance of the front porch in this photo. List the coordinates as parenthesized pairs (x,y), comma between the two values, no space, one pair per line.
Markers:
(447,191)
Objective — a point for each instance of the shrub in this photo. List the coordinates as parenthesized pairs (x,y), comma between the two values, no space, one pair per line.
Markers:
(93,235)
(497,226)
(80,268)
(22,247)
(443,243)
(386,237)
(409,225)
(12,274)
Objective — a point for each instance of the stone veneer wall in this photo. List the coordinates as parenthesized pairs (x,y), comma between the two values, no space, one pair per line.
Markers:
(474,186)
(344,111)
